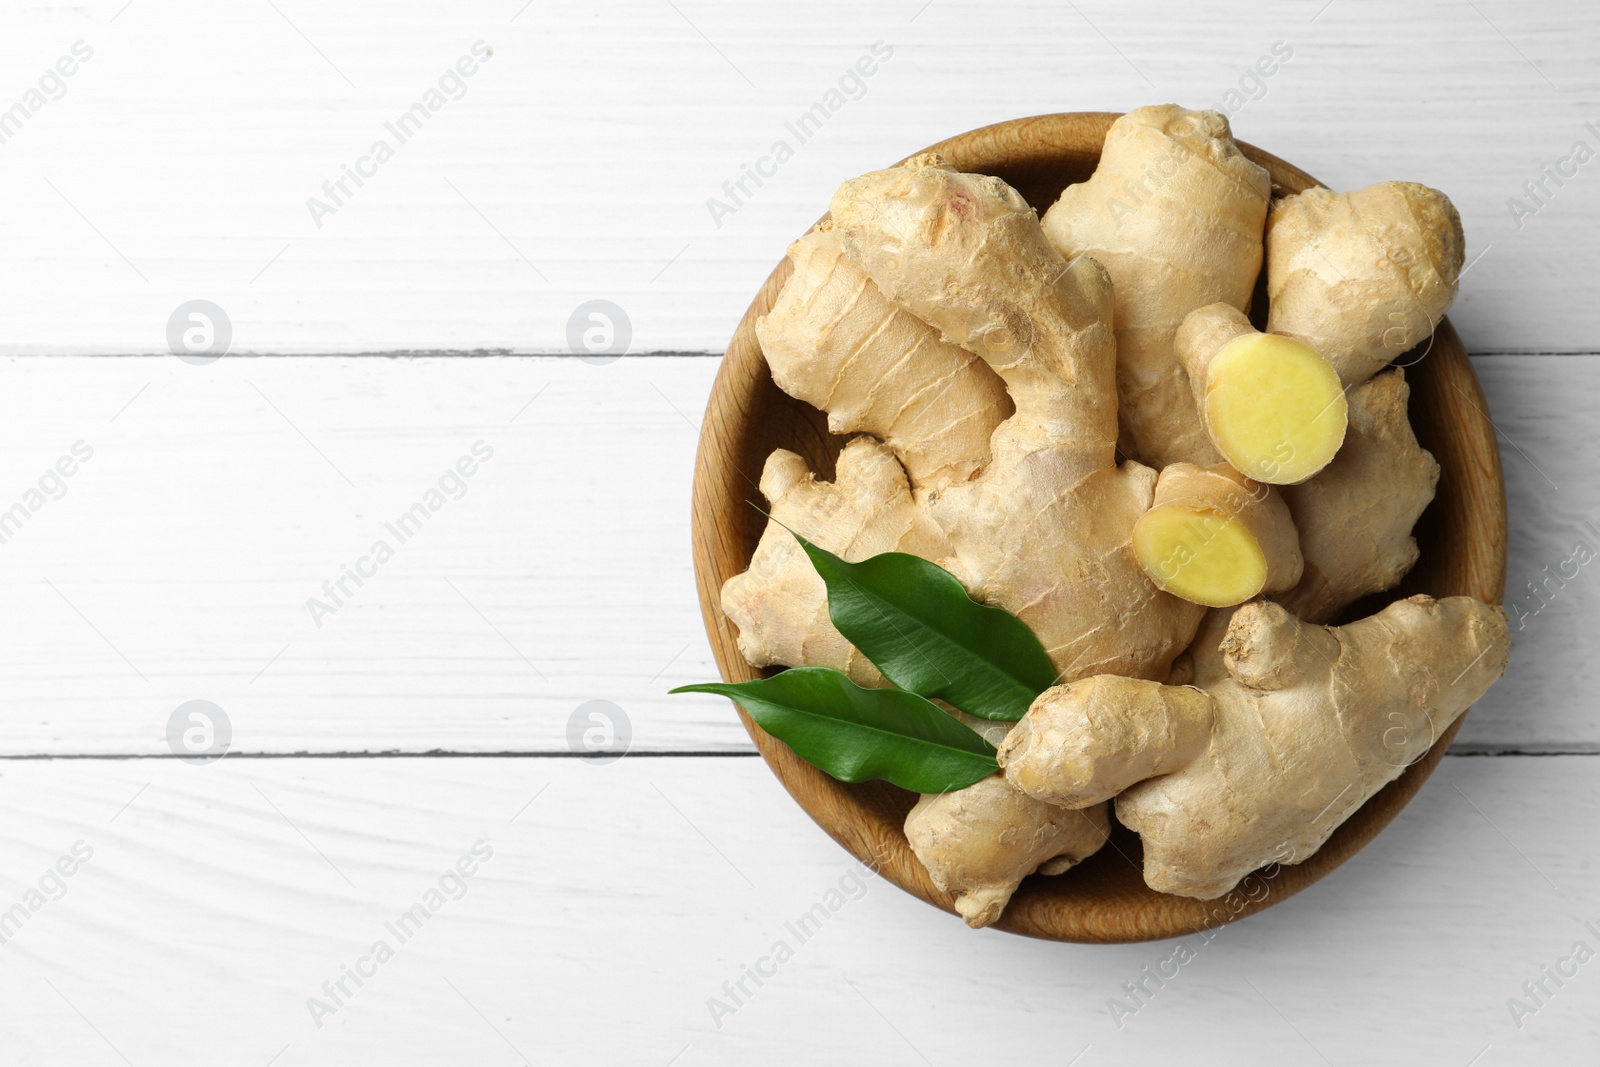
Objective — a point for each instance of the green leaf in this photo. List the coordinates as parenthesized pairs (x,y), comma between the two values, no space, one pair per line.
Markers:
(915,622)
(858,734)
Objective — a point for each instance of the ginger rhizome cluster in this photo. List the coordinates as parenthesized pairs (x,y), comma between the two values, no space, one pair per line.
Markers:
(1077,419)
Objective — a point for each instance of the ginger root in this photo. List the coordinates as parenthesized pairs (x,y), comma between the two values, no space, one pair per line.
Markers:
(835,342)
(1082,743)
(1355,517)
(978,843)
(1362,277)
(1308,723)
(1215,537)
(1272,407)
(1175,213)
(1044,530)
(780,604)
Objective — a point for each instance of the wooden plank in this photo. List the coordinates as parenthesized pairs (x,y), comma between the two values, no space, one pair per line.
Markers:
(220,499)
(581,159)
(218,900)
(1552,596)
(180,560)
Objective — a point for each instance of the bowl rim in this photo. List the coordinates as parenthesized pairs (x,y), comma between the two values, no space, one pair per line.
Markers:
(862,817)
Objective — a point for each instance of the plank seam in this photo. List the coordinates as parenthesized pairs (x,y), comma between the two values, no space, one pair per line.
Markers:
(1462,751)
(509,353)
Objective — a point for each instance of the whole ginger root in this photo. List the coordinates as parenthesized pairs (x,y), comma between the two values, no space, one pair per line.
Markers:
(1307,723)
(1044,530)
(983,835)
(1364,276)
(933,403)
(1175,213)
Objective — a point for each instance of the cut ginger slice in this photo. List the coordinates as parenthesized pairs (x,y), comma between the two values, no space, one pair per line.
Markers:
(1274,408)
(1215,537)
(1203,556)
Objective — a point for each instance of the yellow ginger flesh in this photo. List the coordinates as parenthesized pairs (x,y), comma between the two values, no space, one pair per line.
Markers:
(1215,537)
(1273,407)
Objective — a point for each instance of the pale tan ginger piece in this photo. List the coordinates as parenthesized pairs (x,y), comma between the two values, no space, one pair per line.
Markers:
(1044,531)
(1309,723)
(1079,739)
(1273,407)
(978,843)
(1175,213)
(780,604)
(835,342)
(1355,517)
(1362,277)
(1201,663)
(991,730)
(1217,538)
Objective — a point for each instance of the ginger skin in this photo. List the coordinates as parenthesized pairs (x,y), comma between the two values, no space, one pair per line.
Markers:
(780,603)
(1044,531)
(978,843)
(1175,213)
(1306,725)
(933,403)
(1355,517)
(1079,742)
(1362,277)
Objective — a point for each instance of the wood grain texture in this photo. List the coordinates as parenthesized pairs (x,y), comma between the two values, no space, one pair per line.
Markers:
(618,902)
(193,139)
(179,562)
(1463,543)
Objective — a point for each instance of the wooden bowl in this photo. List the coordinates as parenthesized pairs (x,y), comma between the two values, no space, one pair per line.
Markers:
(1462,537)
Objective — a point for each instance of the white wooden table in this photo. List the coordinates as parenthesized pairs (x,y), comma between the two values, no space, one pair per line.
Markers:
(378,338)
